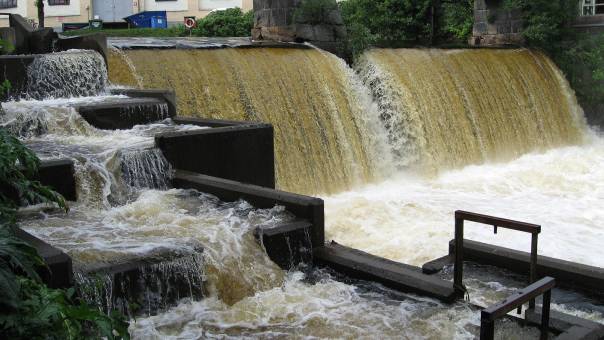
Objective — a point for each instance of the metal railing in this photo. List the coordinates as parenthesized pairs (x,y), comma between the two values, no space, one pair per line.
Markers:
(496,222)
(489,315)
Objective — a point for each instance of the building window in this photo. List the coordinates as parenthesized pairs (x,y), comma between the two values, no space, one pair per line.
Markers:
(8,3)
(164,0)
(58,2)
(592,7)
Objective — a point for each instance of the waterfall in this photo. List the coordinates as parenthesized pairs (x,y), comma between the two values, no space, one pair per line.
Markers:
(327,133)
(146,169)
(450,108)
(67,74)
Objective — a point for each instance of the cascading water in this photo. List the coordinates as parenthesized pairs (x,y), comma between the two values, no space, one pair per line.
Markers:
(449,108)
(74,73)
(422,112)
(327,134)
(330,136)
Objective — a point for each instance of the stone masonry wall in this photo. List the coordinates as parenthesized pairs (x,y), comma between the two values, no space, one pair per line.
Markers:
(274,20)
(494,26)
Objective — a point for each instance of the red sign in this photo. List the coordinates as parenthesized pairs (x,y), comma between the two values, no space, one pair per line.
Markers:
(190,22)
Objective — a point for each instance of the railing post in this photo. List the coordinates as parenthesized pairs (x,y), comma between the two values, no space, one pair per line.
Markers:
(547,297)
(458,269)
(533,270)
(487,327)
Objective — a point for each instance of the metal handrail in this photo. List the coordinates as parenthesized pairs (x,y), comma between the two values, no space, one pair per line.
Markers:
(542,287)
(496,222)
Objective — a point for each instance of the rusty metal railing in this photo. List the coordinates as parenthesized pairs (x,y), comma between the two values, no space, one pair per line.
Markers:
(496,222)
(489,315)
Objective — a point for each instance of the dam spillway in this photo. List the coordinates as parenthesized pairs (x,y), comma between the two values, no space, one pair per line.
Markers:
(254,298)
(407,109)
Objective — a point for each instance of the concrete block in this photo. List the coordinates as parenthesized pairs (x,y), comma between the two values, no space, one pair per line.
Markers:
(567,274)
(59,273)
(7,34)
(243,153)
(288,245)
(303,207)
(22,31)
(359,265)
(124,114)
(59,175)
(96,42)
(41,41)
(146,286)
(14,69)
(169,96)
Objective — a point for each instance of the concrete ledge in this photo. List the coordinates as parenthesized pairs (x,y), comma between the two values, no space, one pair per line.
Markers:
(124,114)
(213,123)
(59,273)
(144,287)
(437,265)
(168,96)
(570,327)
(243,153)
(201,43)
(59,175)
(288,245)
(14,69)
(303,207)
(360,265)
(567,274)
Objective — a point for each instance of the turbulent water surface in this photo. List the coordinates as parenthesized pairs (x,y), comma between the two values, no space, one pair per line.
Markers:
(395,145)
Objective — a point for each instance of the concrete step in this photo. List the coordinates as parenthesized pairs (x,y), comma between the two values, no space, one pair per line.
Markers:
(567,274)
(360,265)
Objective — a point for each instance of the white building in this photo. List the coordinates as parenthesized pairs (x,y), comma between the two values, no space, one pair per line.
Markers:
(58,12)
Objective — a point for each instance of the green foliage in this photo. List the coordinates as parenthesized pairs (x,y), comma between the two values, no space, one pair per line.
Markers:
(18,165)
(16,256)
(314,11)
(231,22)
(457,19)
(45,313)
(29,309)
(548,26)
(405,23)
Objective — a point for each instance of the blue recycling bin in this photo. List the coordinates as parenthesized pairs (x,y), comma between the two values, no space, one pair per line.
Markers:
(148,19)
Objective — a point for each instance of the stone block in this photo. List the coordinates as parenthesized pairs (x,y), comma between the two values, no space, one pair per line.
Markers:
(324,33)
(305,32)
(480,28)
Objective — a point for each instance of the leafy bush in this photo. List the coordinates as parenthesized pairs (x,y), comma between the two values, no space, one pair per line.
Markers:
(405,23)
(457,19)
(314,11)
(18,165)
(231,22)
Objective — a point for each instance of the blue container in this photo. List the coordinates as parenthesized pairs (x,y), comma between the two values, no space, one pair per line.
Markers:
(149,19)
(159,22)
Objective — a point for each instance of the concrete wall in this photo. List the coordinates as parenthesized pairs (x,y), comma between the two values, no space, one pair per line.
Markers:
(243,153)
